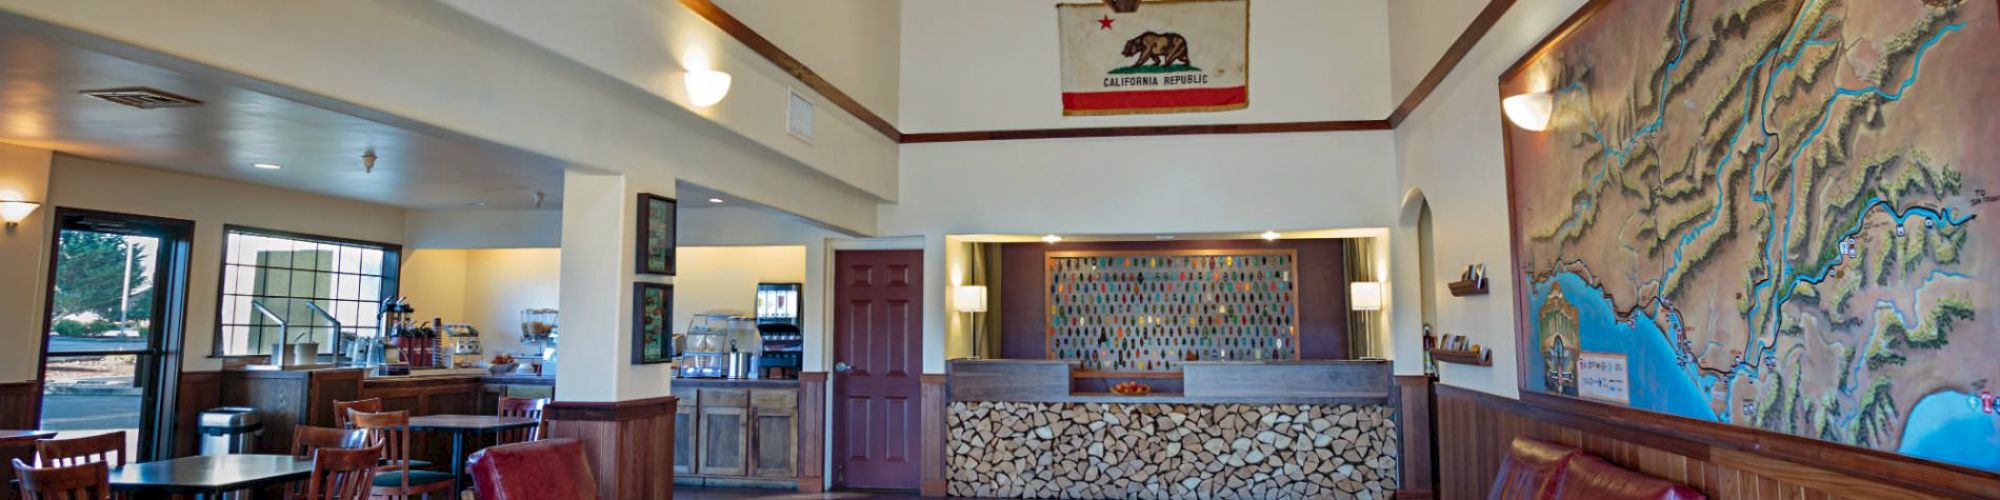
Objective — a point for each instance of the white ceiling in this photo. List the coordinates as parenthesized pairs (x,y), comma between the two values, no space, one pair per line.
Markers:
(321,149)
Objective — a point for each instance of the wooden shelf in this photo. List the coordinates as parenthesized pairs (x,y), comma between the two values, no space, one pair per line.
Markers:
(1103,374)
(1465,288)
(1460,357)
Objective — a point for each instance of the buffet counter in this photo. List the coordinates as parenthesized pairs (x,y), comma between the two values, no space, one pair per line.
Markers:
(1285,429)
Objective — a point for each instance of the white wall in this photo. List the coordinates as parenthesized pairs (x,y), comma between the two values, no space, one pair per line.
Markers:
(486,288)
(483,228)
(501,282)
(1451,152)
(726,278)
(1419,33)
(646,44)
(211,203)
(851,43)
(24,176)
(429,64)
(982,65)
(434,281)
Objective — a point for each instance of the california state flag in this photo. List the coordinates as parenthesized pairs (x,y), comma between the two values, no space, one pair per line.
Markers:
(1170,56)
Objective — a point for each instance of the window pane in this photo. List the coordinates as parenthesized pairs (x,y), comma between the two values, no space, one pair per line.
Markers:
(286,274)
(103,292)
(85,394)
(371,262)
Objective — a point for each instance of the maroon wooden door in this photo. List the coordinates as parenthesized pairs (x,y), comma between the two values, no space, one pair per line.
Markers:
(878,356)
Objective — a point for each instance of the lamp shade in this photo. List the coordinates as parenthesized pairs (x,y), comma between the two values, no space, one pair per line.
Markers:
(13,212)
(707,87)
(1365,295)
(969,298)
(1529,111)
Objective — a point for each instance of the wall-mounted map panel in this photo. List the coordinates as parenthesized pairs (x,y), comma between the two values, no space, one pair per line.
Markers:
(1769,213)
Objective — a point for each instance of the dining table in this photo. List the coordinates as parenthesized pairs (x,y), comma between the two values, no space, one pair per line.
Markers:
(461,426)
(16,443)
(208,476)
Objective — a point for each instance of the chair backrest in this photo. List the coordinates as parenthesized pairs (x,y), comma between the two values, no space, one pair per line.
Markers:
(391,430)
(342,473)
(522,407)
(89,481)
(341,412)
(1589,477)
(550,469)
(108,448)
(1530,469)
(308,438)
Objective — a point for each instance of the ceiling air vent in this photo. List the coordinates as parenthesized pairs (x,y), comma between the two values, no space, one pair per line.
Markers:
(143,98)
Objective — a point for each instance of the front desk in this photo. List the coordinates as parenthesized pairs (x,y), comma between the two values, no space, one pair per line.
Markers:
(1282,429)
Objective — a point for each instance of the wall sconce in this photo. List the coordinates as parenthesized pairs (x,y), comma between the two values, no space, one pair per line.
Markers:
(13,212)
(969,298)
(1529,111)
(1365,295)
(705,85)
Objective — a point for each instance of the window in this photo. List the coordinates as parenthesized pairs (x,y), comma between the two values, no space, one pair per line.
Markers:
(284,272)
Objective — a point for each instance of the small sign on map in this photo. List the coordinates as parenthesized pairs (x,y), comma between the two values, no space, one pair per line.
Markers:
(1603,377)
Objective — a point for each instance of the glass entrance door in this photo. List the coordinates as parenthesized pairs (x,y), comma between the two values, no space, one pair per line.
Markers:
(115,300)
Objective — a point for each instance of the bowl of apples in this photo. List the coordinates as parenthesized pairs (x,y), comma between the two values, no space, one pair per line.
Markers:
(1133,388)
(501,365)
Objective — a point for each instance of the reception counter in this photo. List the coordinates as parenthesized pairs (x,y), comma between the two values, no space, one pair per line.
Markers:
(1282,429)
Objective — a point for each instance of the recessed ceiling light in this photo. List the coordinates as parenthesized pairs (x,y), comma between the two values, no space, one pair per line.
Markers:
(1051,239)
(267,166)
(1164,237)
(1270,235)
(715,200)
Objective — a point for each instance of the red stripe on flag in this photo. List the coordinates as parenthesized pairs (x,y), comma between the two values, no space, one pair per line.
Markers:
(1155,98)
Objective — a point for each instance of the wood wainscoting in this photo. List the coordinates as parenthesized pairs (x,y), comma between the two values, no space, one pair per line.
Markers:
(812,432)
(1416,423)
(18,404)
(630,444)
(933,400)
(1723,461)
(197,391)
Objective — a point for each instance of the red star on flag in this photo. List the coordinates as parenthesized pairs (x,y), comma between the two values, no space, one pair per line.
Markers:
(1105,23)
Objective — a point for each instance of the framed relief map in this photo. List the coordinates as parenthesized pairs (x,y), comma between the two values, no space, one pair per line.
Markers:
(1774,214)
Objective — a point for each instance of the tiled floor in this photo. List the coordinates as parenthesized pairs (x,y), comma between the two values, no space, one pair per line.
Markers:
(688,493)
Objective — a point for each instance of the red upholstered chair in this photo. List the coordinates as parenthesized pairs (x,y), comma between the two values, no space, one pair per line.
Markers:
(1593,478)
(1531,468)
(549,469)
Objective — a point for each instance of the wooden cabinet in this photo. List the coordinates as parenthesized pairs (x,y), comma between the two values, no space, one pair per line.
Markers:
(774,424)
(730,436)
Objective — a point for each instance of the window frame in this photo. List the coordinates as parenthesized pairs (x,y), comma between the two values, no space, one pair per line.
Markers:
(392,266)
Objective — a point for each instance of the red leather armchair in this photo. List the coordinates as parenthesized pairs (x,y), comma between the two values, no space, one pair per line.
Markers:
(550,469)
(1530,469)
(1537,470)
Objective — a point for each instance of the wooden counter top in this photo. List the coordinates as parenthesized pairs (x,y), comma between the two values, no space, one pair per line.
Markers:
(1214,382)
(723,383)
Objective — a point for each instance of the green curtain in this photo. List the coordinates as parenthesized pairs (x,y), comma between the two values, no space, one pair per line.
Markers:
(983,268)
(1363,336)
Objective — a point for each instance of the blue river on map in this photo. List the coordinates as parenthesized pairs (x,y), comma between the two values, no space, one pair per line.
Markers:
(1657,380)
(1952,430)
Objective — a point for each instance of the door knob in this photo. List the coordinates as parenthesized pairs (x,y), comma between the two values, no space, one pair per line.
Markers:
(842,367)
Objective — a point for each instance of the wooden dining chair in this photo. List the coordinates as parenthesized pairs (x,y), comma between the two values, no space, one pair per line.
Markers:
(309,438)
(395,477)
(522,407)
(342,473)
(108,448)
(343,410)
(88,481)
